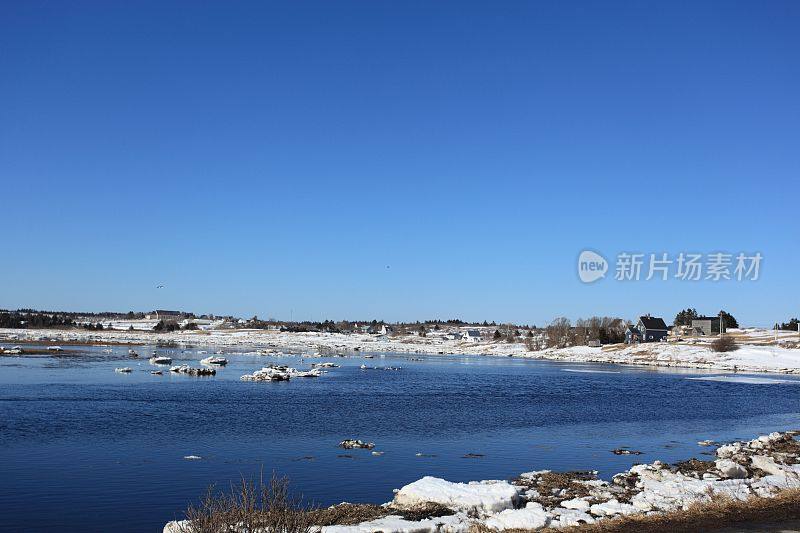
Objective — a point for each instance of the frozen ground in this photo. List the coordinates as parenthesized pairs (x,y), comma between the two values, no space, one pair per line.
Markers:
(759,351)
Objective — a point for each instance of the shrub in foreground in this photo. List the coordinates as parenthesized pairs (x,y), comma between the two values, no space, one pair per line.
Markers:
(724,344)
(249,508)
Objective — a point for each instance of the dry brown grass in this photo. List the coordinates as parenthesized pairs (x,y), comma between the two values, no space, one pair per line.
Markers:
(250,508)
(346,514)
(720,513)
(268,508)
(695,466)
(549,483)
(422,511)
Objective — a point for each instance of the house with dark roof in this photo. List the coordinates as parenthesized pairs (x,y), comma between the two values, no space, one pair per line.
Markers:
(472,335)
(161,314)
(651,328)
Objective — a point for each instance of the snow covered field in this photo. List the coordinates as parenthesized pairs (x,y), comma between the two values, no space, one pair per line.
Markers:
(758,351)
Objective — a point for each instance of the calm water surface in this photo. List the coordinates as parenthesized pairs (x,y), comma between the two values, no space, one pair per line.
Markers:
(83,448)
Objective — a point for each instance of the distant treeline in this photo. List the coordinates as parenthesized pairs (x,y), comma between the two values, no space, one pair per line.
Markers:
(103,314)
(344,326)
(23,319)
(34,318)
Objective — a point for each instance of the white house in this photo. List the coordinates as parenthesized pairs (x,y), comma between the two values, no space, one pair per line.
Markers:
(380,329)
(471,335)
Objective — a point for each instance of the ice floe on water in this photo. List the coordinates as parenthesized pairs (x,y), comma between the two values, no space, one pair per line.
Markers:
(192,371)
(589,371)
(749,380)
(214,360)
(281,373)
(349,444)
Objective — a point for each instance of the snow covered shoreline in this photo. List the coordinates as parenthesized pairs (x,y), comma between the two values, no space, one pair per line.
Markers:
(762,467)
(755,354)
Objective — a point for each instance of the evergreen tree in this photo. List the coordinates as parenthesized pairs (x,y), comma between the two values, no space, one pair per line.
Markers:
(788,326)
(685,317)
(728,320)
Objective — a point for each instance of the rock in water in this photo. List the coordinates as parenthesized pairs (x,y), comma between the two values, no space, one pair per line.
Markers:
(349,444)
(625,451)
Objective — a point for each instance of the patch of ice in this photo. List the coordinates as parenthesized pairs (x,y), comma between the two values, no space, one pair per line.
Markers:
(176,526)
(611,508)
(457,523)
(484,497)
(570,518)
(586,371)
(749,380)
(730,469)
(578,504)
(532,516)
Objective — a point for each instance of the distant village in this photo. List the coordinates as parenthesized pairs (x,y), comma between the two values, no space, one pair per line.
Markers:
(560,333)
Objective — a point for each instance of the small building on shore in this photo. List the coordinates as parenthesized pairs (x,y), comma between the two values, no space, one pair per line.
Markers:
(380,329)
(708,325)
(471,335)
(161,314)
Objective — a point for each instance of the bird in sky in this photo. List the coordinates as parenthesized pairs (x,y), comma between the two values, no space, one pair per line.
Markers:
(159,286)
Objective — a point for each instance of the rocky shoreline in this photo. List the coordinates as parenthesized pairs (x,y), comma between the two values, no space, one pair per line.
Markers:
(762,467)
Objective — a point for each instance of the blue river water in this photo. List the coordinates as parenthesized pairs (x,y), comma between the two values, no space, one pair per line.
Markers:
(83,448)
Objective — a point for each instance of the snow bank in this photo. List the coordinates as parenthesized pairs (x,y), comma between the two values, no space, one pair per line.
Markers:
(457,523)
(532,516)
(483,498)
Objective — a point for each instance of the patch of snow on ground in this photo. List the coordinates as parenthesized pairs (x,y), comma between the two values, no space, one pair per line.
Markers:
(484,497)
(532,516)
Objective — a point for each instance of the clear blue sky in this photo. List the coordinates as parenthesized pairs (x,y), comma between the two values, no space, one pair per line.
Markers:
(275,159)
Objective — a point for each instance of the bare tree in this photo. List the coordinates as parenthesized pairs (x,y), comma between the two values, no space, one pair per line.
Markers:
(559,333)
